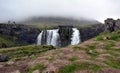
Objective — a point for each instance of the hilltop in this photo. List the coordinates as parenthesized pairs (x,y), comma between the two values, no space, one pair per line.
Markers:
(59,21)
(100,54)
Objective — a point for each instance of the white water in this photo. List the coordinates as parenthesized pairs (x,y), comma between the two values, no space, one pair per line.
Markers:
(52,37)
(75,36)
(39,38)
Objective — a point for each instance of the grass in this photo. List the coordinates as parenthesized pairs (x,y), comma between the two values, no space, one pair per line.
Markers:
(77,48)
(109,44)
(50,58)
(39,67)
(69,68)
(41,26)
(111,36)
(5,42)
(25,51)
(92,48)
(113,63)
(82,66)
(73,59)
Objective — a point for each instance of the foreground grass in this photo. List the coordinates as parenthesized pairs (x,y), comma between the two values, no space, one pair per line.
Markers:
(25,51)
(39,67)
(82,66)
(109,36)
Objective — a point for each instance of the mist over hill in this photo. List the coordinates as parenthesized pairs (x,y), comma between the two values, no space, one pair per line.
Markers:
(59,20)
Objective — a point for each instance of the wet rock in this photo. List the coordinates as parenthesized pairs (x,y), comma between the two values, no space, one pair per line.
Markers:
(3,58)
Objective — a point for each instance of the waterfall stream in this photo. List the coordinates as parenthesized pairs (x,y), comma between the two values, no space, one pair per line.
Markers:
(53,37)
(75,36)
(39,38)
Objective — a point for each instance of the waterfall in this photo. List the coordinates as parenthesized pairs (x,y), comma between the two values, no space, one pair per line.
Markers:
(75,36)
(55,38)
(52,37)
(39,38)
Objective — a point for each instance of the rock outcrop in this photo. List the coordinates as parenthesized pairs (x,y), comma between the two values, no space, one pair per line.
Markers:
(19,34)
(90,32)
(3,58)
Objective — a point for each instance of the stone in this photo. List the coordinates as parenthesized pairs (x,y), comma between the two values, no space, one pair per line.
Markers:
(3,58)
(52,69)
(10,62)
(91,52)
(36,71)
(17,71)
(106,38)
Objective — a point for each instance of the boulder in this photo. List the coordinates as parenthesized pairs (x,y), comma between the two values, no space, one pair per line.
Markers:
(36,71)
(91,52)
(3,58)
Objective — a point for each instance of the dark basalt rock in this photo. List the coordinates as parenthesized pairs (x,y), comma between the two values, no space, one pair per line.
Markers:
(90,32)
(19,34)
(65,33)
(4,58)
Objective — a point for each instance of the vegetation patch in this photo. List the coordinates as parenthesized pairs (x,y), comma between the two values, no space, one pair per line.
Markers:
(39,67)
(5,43)
(82,66)
(93,46)
(109,36)
(25,51)
(93,55)
(78,47)
(73,59)
(91,51)
(109,44)
(51,58)
(114,63)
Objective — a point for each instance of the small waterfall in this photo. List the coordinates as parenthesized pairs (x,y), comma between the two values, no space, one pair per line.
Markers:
(52,37)
(39,38)
(55,38)
(75,36)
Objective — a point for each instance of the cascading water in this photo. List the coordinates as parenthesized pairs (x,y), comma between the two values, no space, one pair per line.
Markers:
(39,38)
(52,37)
(75,36)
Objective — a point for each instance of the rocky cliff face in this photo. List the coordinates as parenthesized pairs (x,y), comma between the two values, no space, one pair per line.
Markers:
(90,32)
(19,34)
(24,35)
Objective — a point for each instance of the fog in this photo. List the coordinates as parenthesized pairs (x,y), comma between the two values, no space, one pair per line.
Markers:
(95,9)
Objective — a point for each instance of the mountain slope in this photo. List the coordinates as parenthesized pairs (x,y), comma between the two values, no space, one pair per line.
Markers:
(60,20)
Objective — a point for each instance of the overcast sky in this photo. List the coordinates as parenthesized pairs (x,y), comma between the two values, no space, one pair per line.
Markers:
(95,9)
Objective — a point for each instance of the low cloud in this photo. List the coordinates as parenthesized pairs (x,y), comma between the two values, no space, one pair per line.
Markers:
(95,9)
